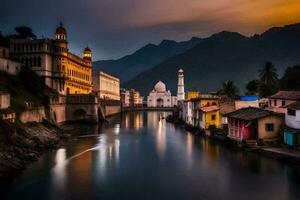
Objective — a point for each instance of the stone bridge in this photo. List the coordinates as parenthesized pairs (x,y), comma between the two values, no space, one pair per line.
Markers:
(82,107)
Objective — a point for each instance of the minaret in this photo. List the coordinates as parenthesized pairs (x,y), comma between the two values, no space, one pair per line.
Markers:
(180,90)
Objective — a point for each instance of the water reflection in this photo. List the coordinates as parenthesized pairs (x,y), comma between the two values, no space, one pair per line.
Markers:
(141,156)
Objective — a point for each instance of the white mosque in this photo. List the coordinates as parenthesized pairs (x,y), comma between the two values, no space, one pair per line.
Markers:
(161,97)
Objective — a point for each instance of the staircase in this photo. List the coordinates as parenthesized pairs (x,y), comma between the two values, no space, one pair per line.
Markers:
(251,143)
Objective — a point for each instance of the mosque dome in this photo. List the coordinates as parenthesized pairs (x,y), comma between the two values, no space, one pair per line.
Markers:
(160,87)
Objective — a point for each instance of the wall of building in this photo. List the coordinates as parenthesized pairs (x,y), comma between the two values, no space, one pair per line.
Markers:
(278,123)
(293,121)
(4,101)
(112,110)
(208,102)
(10,66)
(210,122)
(58,113)
(106,86)
(33,115)
(192,95)
(244,104)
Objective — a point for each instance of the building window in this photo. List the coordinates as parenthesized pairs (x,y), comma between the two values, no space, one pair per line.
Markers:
(213,117)
(269,127)
(283,103)
(291,112)
(275,102)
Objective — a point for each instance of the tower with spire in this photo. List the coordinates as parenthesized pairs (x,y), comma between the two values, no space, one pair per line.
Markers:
(180,89)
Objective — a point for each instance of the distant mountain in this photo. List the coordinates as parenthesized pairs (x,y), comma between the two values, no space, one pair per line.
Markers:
(225,56)
(143,59)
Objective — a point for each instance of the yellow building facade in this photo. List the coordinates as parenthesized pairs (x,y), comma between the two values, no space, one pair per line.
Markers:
(192,95)
(62,70)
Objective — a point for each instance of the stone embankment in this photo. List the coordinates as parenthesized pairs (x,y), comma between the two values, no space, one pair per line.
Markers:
(21,146)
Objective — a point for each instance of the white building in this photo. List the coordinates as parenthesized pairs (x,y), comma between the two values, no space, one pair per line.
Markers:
(106,86)
(161,97)
(187,112)
(9,66)
(292,116)
(180,90)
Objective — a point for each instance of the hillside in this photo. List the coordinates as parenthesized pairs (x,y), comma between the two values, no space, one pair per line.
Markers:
(225,56)
(143,59)
(25,88)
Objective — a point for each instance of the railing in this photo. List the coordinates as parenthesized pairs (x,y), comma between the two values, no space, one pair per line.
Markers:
(82,99)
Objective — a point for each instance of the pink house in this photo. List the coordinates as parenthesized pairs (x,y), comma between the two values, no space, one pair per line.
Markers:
(253,124)
(281,99)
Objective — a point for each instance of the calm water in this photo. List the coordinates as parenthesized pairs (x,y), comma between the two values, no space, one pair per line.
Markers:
(139,156)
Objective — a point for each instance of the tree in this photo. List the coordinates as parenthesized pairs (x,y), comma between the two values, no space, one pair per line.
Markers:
(268,75)
(229,89)
(291,79)
(253,87)
(25,32)
(268,80)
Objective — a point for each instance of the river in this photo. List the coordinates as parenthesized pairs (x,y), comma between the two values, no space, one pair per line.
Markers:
(140,156)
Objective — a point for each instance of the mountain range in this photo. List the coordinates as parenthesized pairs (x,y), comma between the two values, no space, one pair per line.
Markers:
(225,56)
(207,62)
(143,59)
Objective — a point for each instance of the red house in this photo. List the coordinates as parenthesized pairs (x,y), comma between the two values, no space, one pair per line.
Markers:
(253,124)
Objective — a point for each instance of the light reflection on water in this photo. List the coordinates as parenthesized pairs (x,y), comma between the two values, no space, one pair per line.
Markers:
(141,156)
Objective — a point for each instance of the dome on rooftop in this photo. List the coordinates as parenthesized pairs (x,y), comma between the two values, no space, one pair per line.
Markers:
(160,87)
(61,30)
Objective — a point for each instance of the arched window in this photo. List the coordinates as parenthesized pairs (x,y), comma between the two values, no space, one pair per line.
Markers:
(26,62)
(30,62)
(34,61)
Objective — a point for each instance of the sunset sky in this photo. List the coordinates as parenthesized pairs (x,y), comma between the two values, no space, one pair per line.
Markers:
(113,28)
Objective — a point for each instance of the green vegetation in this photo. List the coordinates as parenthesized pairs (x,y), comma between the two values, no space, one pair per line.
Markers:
(291,79)
(229,89)
(269,83)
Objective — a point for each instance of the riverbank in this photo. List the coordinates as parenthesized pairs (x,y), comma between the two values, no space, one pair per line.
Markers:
(22,144)
(276,152)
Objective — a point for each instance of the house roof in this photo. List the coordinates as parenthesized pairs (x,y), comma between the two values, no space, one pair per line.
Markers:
(209,108)
(6,111)
(226,108)
(294,106)
(250,113)
(289,95)
(3,92)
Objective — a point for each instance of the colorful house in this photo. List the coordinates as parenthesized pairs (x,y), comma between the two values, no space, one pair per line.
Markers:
(209,116)
(199,102)
(192,95)
(247,101)
(225,108)
(254,124)
(281,99)
(186,112)
(292,121)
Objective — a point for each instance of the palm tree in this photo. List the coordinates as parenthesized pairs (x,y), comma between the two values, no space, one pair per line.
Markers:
(229,89)
(268,75)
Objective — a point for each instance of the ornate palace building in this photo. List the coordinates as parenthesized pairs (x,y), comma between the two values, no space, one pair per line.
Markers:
(63,71)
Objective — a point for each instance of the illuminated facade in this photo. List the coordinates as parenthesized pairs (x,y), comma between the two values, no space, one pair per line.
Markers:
(106,86)
(161,97)
(63,71)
